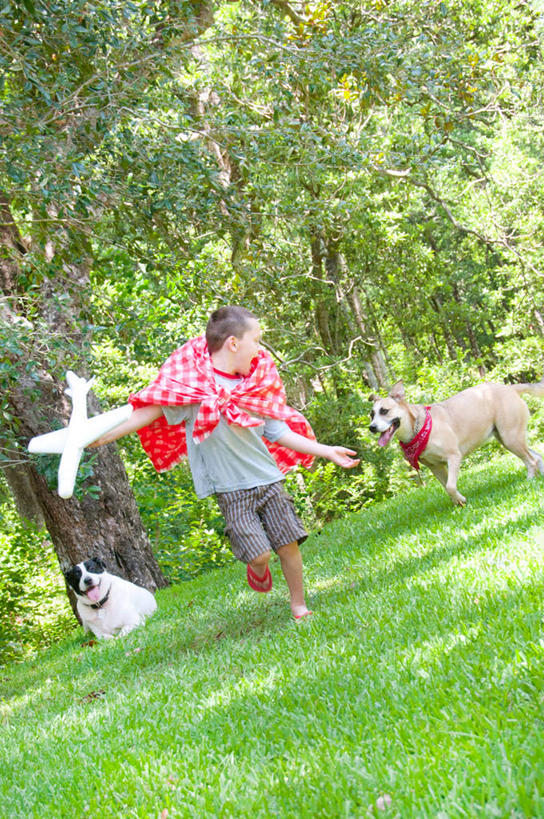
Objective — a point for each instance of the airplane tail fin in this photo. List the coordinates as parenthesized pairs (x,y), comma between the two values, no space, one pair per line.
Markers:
(76,383)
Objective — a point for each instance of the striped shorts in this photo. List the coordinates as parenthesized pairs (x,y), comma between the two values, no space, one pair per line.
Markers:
(260,519)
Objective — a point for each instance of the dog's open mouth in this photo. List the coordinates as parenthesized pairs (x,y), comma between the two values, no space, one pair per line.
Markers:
(386,436)
(94,593)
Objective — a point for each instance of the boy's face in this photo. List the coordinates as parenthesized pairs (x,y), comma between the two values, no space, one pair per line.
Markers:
(247,347)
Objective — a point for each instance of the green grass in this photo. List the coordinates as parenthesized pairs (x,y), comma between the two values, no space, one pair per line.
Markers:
(420,677)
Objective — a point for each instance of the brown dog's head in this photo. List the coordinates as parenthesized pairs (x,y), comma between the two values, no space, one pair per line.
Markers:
(388,414)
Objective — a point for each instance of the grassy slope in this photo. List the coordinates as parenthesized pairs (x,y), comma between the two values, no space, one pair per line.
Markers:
(420,677)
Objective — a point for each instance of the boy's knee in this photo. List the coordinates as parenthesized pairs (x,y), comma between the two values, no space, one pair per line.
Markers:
(288,548)
(261,560)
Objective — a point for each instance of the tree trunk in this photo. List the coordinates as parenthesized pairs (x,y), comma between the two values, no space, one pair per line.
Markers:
(26,503)
(109,525)
(475,347)
(322,301)
(436,303)
(376,367)
(539,321)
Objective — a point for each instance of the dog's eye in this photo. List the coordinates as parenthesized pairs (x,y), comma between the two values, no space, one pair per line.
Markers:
(372,413)
(383,411)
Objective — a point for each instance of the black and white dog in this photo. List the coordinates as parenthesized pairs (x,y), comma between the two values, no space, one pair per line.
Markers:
(108,605)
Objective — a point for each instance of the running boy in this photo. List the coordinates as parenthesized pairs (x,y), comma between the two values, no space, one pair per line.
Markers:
(214,400)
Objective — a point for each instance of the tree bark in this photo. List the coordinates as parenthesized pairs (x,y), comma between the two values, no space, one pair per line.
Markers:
(109,525)
(376,367)
(26,503)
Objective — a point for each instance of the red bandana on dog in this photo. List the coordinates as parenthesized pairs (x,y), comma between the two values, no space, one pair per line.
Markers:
(186,377)
(413,449)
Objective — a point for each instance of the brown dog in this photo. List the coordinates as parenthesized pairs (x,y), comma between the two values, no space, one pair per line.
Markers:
(443,434)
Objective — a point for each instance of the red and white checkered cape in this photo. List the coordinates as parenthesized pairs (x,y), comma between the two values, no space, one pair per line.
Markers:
(186,377)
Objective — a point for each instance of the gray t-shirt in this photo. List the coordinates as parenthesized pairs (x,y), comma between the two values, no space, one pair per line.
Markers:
(232,457)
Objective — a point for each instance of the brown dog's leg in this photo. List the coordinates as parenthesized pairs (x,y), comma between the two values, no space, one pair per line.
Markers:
(532,460)
(440,472)
(539,461)
(454,462)
(511,431)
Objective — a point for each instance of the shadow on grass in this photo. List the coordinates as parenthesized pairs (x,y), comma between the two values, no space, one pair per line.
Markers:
(192,629)
(410,512)
(342,710)
(188,628)
(357,691)
(370,713)
(402,569)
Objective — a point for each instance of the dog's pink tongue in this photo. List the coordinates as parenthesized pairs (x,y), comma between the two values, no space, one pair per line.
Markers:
(386,436)
(94,594)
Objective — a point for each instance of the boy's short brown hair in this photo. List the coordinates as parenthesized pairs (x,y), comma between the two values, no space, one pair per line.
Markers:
(225,322)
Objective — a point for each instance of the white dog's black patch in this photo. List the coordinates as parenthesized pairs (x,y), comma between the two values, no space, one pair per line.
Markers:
(86,579)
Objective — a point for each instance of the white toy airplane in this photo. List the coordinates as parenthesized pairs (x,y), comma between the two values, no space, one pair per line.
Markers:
(80,432)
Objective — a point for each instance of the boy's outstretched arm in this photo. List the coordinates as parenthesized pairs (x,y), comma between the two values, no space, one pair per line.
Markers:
(139,418)
(337,454)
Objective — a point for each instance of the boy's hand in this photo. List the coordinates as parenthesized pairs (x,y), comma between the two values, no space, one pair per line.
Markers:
(340,455)
(97,443)
(337,454)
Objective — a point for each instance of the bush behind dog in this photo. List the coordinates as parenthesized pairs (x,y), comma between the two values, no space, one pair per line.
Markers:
(35,611)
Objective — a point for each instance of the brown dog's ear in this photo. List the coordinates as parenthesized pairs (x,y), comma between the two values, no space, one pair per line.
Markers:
(373,398)
(397,391)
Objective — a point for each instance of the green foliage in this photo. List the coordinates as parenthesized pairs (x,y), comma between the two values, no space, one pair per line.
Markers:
(48,467)
(326,491)
(186,534)
(328,494)
(519,360)
(35,611)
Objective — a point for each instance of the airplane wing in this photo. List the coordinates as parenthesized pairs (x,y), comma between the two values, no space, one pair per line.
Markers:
(52,443)
(80,432)
(94,428)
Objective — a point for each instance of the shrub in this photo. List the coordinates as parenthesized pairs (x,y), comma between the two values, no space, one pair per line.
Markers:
(187,534)
(35,609)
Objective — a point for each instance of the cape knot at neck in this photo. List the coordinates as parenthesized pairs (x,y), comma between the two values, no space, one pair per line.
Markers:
(223,400)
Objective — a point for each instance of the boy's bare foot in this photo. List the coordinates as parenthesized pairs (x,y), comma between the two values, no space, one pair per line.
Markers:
(300,611)
(258,583)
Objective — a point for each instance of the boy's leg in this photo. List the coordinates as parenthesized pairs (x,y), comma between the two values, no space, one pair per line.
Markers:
(282,524)
(248,540)
(259,565)
(291,566)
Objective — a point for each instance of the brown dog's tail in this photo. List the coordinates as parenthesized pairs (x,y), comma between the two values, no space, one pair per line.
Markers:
(532,389)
